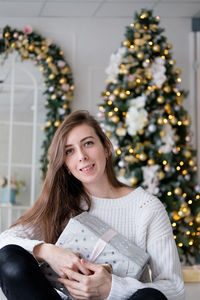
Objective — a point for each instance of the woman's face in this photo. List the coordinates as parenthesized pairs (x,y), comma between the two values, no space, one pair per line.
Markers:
(85,155)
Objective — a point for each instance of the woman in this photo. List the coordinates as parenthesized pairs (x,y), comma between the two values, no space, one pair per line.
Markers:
(81,178)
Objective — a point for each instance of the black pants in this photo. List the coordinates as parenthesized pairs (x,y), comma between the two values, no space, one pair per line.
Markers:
(22,279)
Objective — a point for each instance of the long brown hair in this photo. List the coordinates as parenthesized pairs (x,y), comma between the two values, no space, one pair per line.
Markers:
(61,194)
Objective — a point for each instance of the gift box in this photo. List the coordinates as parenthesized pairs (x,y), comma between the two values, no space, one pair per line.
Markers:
(97,242)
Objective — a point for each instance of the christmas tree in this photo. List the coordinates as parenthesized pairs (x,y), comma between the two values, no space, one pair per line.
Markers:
(142,113)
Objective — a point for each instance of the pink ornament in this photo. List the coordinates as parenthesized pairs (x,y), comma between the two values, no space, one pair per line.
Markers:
(28,30)
(21,37)
(131,77)
(112,97)
(48,42)
(187,177)
(15,35)
(61,63)
(188,139)
(65,87)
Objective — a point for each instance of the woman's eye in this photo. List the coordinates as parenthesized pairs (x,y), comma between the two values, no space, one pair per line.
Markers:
(69,151)
(89,143)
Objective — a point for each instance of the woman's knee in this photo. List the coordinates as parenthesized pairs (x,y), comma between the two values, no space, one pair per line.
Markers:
(148,294)
(14,262)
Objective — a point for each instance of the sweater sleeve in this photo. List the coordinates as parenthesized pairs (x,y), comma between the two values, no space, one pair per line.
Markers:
(26,237)
(164,260)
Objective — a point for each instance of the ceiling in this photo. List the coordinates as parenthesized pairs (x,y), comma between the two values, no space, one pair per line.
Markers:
(97,8)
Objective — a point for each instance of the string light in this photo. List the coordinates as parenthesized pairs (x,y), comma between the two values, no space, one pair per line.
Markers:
(132,25)
(150,43)
(191,224)
(179,79)
(184,195)
(128,92)
(118,151)
(181,163)
(164,162)
(174,224)
(180,244)
(110,114)
(191,242)
(166,52)
(178,168)
(178,94)
(107,93)
(109,102)
(116,109)
(131,150)
(190,202)
(174,236)
(184,172)
(197,197)
(179,123)
(169,193)
(163,57)
(187,232)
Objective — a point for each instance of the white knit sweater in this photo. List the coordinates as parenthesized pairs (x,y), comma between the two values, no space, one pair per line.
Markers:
(141,218)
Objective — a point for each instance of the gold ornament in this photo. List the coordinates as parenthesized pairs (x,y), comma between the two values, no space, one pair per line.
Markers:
(156,48)
(31,48)
(175,216)
(142,156)
(178,191)
(108,133)
(161,175)
(191,163)
(197,218)
(169,46)
(48,123)
(153,27)
(126,43)
(137,26)
(130,158)
(122,95)
(63,80)
(49,59)
(172,62)
(151,162)
(116,92)
(115,119)
(187,154)
(57,123)
(177,71)
(141,131)
(139,42)
(168,109)
(162,133)
(122,172)
(160,99)
(121,131)
(144,15)
(140,55)
(136,35)
(65,106)
(7,34)
(134,180)
(167,89)
(51,76)
(188,219)
(184,210)
(160,121)
(13,45)
(53,97)
(173,121)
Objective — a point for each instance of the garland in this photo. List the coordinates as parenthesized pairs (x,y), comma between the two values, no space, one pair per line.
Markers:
(57,74)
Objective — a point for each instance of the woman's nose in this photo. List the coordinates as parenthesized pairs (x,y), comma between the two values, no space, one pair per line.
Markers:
(82,155)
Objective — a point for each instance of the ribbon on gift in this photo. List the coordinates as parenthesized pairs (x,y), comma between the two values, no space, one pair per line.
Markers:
(101,244)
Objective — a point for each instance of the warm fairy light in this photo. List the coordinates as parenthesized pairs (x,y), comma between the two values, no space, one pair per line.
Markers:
(169,193)
(174,236)
(170,117)
(178,168)
(179,79)
(132,46)
(107,93)
(198,228)
(116,109)
(163,57)
(184,195)
(180,244)
(178,148)
(184,172)
(110,114)
(101,108)
(149,87)
(165,121)
(164,162)
(178,94)
(197,197)
(130,150)
(124,113)
(179,123)
(193,234)
(181,163)
(195,168)
(118,151)
(128,92)
(174,224)
(132,24)
(145,27)
(190,202)
(138,80)
(187,232)
(191,224)
(122,66)
(137,155)
(109,102)
(191,242)
(157,18)
(166,52)
(150,43)
(198,233)
(147,60)
(159,152)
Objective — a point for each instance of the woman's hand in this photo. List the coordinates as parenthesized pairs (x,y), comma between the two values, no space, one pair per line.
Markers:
(95,286)
(60,259)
